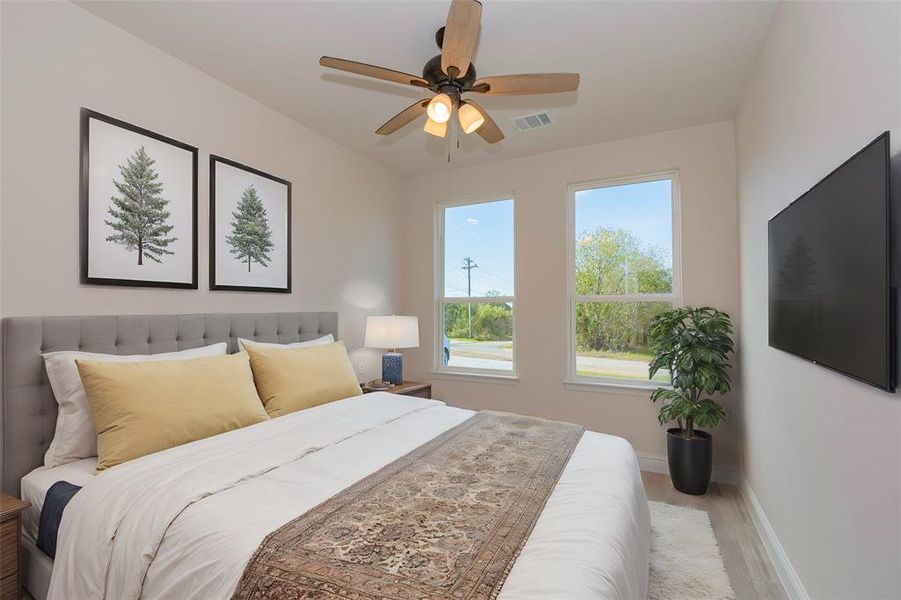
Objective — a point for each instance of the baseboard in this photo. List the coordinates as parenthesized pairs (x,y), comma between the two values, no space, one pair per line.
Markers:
(658,464)
(794,589)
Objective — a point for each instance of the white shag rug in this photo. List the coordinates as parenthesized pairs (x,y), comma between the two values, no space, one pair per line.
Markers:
(685,559)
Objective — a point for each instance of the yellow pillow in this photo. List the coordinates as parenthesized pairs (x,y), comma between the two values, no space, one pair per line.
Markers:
(143,407)
(290,379)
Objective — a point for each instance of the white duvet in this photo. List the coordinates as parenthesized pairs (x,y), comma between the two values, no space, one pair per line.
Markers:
(183,523)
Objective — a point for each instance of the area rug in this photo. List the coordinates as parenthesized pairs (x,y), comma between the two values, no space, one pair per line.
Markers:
(685,558)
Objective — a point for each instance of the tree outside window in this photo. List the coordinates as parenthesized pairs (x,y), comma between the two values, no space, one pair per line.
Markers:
(622,275)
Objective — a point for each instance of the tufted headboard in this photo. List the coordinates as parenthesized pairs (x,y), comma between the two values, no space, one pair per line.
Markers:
(29,408)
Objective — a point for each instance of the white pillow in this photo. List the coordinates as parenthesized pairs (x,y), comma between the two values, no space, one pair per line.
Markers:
(326,339)
(75,437)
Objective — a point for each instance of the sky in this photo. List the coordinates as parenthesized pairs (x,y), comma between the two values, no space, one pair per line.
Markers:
(484,231)
(645,209)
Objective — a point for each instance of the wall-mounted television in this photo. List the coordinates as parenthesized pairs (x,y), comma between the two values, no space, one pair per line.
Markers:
(831,299)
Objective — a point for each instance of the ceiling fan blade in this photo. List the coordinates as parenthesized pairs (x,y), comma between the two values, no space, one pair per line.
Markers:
(407,115)
(460,35)
(372,71)
(535,83)
(489,131)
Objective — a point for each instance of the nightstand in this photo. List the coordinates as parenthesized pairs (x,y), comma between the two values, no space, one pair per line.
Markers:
(10,553)
(407,388)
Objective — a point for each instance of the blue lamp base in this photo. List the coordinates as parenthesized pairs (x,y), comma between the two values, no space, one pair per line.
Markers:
(393,367)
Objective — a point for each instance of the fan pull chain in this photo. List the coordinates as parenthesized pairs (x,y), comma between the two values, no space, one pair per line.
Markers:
(451,133)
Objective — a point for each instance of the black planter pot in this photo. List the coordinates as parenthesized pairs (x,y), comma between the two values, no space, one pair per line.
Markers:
(690,460)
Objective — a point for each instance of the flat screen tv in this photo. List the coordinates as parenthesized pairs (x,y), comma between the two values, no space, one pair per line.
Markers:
(830,291)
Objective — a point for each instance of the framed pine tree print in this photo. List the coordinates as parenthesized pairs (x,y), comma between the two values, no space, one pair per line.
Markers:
(138,201)
(250,229)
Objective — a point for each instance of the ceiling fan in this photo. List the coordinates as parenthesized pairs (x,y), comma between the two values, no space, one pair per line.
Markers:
(452,74)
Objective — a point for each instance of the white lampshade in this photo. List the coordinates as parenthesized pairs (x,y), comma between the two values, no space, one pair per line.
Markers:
(392,332)
(470,118)
(436,129)
(439,109)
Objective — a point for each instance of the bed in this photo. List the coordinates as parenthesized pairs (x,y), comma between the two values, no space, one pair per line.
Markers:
(186,521)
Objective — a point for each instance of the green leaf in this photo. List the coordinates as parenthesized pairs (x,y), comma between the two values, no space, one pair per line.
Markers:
(695,344)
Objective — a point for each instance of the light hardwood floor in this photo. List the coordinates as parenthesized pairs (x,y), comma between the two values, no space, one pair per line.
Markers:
(750,571)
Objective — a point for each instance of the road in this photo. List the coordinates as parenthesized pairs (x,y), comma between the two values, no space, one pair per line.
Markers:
(499,355)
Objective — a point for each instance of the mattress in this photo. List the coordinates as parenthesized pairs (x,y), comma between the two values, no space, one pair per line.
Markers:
(36,484)
(182,523)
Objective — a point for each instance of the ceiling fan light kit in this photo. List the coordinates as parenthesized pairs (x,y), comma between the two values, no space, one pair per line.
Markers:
(435,128)
(470,118)
(439,109)
(452,74)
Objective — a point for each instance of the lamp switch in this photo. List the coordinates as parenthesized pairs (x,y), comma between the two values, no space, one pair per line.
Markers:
(361,369)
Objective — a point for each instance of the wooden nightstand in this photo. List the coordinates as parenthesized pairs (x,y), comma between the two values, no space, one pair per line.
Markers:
(407,388)
(10,552)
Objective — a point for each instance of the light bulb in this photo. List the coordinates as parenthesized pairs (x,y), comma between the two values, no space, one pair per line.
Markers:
(439,109)
(470,118)
(436,129)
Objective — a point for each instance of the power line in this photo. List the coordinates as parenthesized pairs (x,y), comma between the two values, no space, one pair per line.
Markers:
(500,277)
(478,293)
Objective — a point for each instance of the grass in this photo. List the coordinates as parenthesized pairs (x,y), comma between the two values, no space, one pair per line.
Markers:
(659,378)
(507,346)
(632,368)
(644,357)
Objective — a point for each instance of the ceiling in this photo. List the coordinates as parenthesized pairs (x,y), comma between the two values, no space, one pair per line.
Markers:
(645,66)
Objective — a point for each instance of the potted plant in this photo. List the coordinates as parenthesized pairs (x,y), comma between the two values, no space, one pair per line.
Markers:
(694,344)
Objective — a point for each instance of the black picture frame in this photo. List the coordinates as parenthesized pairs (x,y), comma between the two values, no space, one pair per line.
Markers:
(246,288)
(84,202)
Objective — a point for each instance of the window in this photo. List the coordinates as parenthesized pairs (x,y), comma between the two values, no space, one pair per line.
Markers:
(623,271)
(474,307)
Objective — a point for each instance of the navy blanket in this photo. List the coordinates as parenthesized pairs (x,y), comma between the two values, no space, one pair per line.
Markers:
(55,502)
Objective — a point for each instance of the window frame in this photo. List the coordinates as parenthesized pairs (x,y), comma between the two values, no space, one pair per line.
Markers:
(440,299)
(573,300)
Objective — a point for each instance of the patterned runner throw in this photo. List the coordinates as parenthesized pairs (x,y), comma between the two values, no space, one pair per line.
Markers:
(446,521)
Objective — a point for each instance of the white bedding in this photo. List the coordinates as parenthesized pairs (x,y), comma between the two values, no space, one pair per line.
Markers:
(36,484)
(182,523)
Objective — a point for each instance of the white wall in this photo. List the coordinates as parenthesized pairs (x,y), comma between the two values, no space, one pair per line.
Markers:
(56,58)
(704,157)
(820,451)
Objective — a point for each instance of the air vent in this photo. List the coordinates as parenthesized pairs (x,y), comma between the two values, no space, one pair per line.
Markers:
(535,121)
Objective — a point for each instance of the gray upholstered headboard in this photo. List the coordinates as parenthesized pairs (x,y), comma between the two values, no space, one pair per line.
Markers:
(29,408)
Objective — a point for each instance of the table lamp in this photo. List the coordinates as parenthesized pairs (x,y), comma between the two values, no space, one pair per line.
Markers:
(392,332)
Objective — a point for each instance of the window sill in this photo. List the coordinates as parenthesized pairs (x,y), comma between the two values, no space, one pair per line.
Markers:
(637,388)
(501,378)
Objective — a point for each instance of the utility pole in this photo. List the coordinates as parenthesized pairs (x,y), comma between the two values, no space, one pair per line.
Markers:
(468,266)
